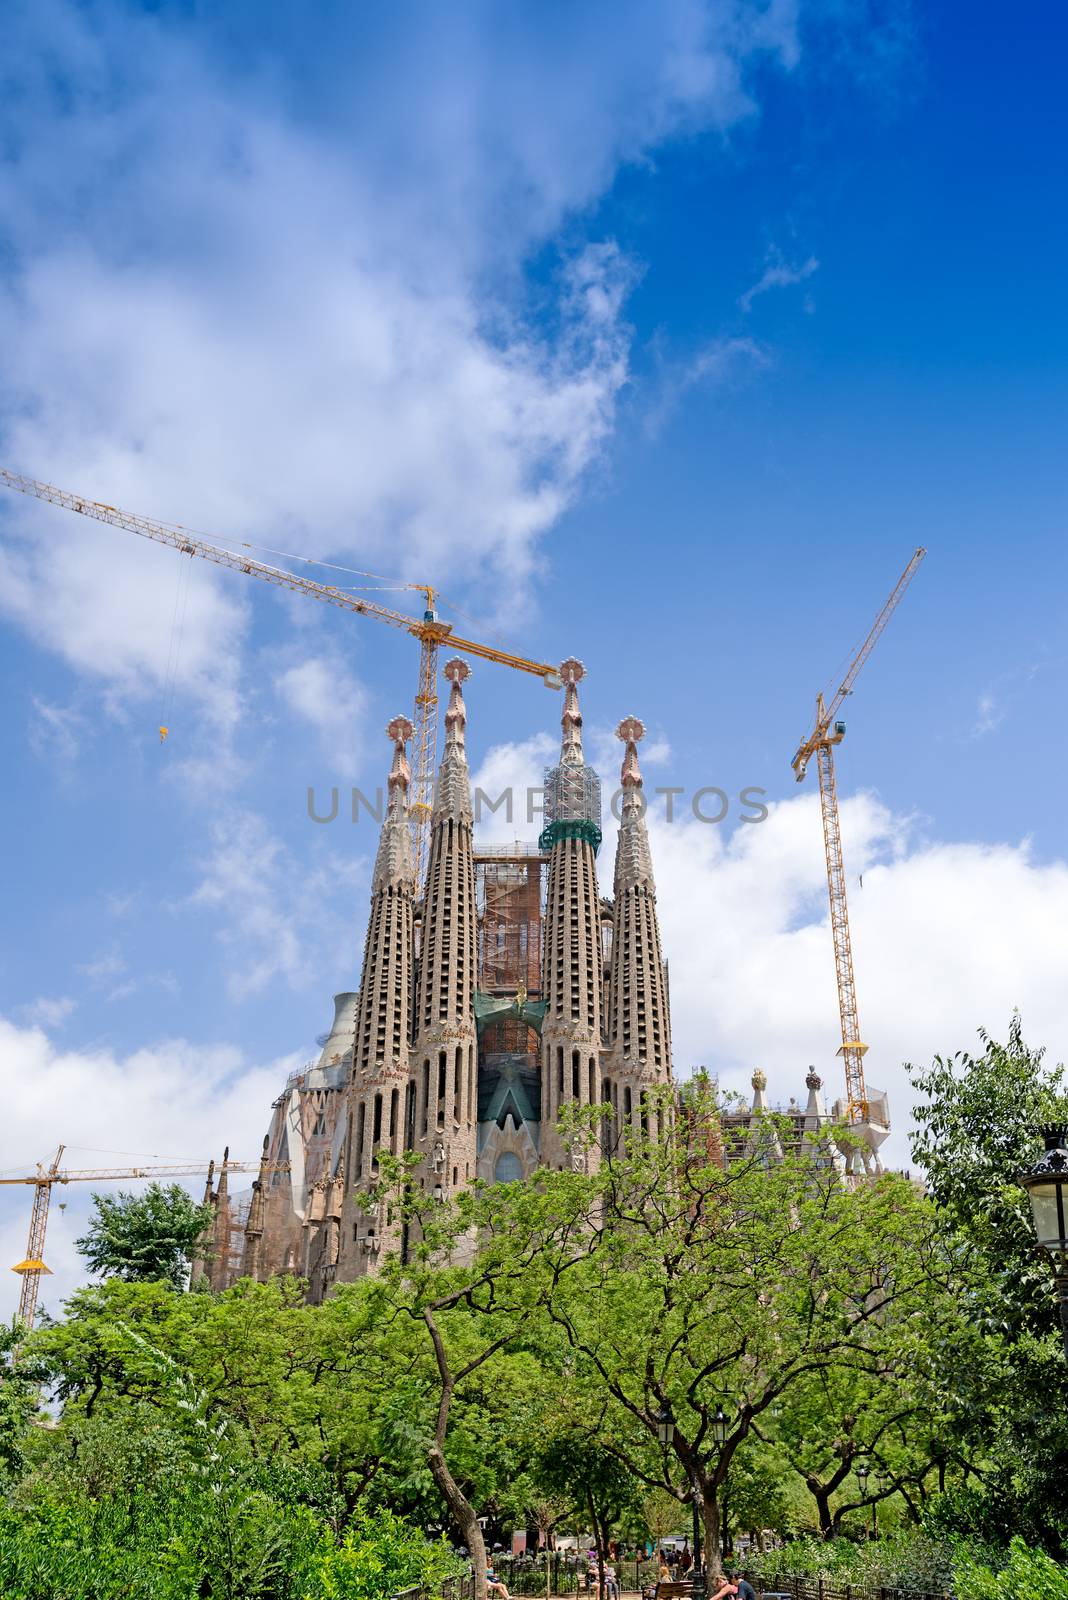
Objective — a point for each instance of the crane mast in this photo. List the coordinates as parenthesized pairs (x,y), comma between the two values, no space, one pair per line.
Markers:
(33,1267)
(826,733)
(429,629)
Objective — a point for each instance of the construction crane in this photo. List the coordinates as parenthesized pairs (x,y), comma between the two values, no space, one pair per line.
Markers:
(429,629)
(828,732)
(33,1267)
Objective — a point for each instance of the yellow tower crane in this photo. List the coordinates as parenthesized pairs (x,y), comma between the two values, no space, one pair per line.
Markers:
(826,733)
(429,629)
(33,1267)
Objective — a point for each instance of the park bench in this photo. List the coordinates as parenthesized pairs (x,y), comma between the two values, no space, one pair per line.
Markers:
(665,1590)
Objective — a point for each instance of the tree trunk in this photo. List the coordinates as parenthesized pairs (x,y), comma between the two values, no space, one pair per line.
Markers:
(599,1543)
(464,1516)
(822,1497)
(713,1560)
(463,1512)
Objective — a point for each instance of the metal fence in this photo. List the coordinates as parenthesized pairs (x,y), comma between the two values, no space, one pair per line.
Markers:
(564,1572)
(798,1588)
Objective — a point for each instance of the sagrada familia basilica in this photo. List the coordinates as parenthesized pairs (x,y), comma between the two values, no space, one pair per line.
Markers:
(512,989)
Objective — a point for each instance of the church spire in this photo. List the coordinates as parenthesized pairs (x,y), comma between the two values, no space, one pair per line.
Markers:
(634,864)
(382,1025)
(453,795)
(572,789)
(393,864)
(572,971)
(572,672)
(639,1028)
(444,1058)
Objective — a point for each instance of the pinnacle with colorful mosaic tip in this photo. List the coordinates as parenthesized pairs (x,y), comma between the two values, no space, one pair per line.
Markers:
(631,730)
(453,795)
(572,789)
(393,864)
(634,863)
(400,730)
(572,672)
(639,1027)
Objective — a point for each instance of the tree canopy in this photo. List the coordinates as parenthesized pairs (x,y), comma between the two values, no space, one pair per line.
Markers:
(143,1237)
(698,1320)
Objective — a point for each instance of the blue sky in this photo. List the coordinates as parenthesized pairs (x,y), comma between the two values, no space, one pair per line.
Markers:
(657,335)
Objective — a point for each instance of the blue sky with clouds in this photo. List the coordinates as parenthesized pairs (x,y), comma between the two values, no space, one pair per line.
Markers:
(656,334)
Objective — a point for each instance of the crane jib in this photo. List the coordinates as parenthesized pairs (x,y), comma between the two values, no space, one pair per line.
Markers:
(430,637)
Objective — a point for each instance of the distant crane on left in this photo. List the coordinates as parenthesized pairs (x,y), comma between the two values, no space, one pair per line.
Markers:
(33,1267)
(429,629)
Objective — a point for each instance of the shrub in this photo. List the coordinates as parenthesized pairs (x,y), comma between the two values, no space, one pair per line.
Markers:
(378,1556)
(1027,1575)
(910,1562)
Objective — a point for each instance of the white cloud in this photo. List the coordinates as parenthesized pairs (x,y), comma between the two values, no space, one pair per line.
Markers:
(49,1011)
(514,774)
(110,972)
(653,752)
(104,969)
(312,333)
(778,274)
(989,714)
(172,1100)
(946,938)
(55,732)
(322,691)
(720,363)
(275,919)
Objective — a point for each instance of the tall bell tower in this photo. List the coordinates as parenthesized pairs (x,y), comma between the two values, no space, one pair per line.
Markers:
(378,1090)
(444,1057)
(639,1025)
(571,1039)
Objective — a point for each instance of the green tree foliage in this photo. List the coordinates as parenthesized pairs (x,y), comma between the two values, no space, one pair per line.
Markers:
(379,1555)
(1006,1406)
(18,1404)
(145,1237)
(577,1465)
(711,1284)
(1027,1575)
(519,1362)
(977,1129)
(166,1500)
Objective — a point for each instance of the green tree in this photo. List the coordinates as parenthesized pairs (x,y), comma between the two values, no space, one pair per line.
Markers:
(890,1421)
(977,1128)
(601,1490)
(716,1284)
(143,1237)
(475,1285)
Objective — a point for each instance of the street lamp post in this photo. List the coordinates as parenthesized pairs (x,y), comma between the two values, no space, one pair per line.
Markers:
(720,1429)
(862,1479)
(665,1432)
(1047,1189)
